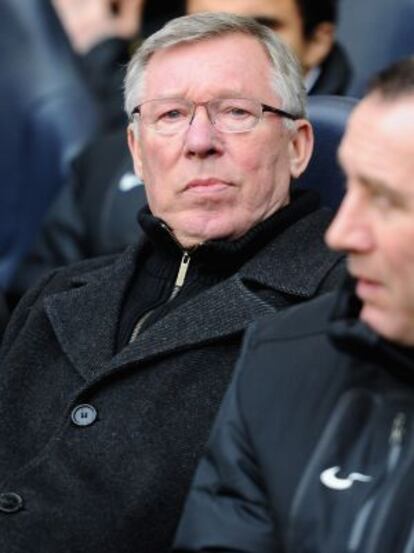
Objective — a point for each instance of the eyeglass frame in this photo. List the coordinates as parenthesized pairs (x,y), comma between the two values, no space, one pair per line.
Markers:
(266,108)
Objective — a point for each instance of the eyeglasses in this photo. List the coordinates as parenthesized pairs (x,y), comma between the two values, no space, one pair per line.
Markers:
(170,116)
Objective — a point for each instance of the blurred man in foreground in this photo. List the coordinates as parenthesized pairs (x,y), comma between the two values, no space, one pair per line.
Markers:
(313,447)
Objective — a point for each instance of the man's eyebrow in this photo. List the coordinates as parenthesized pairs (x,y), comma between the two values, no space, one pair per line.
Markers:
(379,186)
(370,183)
(373,184)
(266,20)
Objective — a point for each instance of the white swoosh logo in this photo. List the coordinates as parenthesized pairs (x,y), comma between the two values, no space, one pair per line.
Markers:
(330,479)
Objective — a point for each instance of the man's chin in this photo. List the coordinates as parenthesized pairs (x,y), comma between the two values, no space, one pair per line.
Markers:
(202,228)
(189,238)
(388,325)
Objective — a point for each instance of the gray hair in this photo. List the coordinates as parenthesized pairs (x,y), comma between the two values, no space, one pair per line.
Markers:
(286,73)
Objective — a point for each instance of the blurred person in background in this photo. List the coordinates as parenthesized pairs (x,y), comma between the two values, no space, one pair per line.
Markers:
(95,212)
(47,117)
(120,362)
(307,26)
(104,33)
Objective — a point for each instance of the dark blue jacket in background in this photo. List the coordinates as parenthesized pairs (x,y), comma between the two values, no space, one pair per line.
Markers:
(46,117)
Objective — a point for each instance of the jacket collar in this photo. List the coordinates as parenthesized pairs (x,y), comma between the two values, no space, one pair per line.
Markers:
(227,255)
(85,317)
(353,336)
(335,74)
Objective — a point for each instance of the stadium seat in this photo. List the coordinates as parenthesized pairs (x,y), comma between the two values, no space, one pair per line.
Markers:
(328,115)
(374,33)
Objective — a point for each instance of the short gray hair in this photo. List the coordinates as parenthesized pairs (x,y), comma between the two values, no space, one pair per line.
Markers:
(286,74)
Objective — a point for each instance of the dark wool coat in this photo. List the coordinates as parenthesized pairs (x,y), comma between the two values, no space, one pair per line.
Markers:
(111,476)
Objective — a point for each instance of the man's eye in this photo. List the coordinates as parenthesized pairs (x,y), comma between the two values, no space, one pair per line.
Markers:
(236,112)
(383,201)
(172,115)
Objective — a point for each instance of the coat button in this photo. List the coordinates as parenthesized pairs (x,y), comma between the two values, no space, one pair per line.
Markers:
(10,502)
(84,415)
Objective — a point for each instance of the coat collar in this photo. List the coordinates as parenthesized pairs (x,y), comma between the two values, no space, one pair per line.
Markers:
(353,336)
(85,317)
(297,261)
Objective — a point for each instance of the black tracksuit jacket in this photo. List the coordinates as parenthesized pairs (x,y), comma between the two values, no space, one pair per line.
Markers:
(313,449)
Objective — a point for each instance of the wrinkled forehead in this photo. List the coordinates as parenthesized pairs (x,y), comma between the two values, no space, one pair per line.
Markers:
(235,61)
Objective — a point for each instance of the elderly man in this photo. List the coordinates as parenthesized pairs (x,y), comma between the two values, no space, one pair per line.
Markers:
(96,213)
(113,369)
(313,448)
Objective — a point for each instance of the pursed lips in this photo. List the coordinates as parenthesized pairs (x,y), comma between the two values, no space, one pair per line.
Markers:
(358,274)
(366,288)
(209,184)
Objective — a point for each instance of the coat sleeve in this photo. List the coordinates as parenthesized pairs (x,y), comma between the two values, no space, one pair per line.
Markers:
(227,508)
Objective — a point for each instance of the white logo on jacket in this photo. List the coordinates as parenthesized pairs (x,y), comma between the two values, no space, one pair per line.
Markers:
(330,479)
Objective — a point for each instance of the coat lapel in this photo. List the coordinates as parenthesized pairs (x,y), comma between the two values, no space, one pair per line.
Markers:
(85,317)
(85,320)
(223,310)
(297,261)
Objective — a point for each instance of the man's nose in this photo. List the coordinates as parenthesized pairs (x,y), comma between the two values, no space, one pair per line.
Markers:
(201,138)
(350,230)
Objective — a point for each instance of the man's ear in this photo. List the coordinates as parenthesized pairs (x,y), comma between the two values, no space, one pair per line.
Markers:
(300,147)
(318,45)
(135,150)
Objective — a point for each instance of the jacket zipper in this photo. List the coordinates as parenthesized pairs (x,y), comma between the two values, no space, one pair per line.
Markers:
(385,506)
(184,263)
(178,284)
(396,440)
(394,453)
(182,273)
